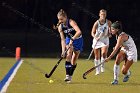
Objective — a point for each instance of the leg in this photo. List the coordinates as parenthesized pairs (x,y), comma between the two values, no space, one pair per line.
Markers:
(75,56)
(125,70)
(104,51)
(120,57)
(68,64)
(97,60)
(69,54)
(71,66)
(123,66)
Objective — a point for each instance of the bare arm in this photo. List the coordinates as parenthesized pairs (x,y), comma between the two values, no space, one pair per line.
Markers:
(93,32)
(63,44)
(116,48)
(109,28)
(76,28)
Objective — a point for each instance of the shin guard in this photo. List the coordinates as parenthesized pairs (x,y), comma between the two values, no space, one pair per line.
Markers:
(72,69)
(68,67)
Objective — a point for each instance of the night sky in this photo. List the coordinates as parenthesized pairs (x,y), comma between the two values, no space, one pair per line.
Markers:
(28,23)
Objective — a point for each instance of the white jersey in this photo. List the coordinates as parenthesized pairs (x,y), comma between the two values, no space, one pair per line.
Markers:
(104,40)
(129,48)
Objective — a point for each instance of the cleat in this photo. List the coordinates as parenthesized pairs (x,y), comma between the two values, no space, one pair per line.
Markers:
(126,78)
(114,82)
(102,69)
(68,79)
(97,73)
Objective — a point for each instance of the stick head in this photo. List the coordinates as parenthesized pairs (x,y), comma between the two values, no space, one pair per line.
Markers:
(84,76)
(47,76)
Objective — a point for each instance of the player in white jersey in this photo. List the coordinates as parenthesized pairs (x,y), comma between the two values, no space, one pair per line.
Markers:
(100,34)
(128,52)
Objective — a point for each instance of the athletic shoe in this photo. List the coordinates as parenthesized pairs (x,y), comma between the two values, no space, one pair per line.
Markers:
(126,77)
(102,69)
(98,69)
(68,79)
(97,73)
(114,82)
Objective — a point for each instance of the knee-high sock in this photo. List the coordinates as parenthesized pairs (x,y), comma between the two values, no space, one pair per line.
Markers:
(102,66)
(72,69)
(116,71)
(68,67)
(97,62)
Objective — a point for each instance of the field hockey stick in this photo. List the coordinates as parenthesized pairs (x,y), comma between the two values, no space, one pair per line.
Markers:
(90,70)
(90,54)
(56,65)
(54,68)
(94,44)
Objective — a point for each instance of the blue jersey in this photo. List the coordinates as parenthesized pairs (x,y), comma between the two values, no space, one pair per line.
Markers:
(68,29)
(70,32)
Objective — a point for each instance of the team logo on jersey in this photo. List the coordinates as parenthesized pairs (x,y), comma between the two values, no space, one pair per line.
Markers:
(69,30)
(102,29)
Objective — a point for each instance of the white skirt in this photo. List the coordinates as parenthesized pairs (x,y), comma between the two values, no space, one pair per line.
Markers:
(131,54)
(100,43)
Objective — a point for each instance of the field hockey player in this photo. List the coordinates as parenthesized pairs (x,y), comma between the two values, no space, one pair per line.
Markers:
(71,36)
(100,34)
(128,52)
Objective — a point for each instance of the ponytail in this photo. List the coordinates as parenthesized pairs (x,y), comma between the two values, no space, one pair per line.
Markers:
(117,25)
(60,13)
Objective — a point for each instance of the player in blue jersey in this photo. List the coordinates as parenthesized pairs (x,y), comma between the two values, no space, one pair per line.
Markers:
(71,36)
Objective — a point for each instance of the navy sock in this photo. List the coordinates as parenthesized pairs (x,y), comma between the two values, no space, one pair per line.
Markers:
(72,69)
(68,66)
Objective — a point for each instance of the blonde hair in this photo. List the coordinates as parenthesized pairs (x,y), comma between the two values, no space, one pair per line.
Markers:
(61,13)
(103,10)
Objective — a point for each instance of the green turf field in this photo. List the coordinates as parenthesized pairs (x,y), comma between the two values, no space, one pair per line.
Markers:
(30,78)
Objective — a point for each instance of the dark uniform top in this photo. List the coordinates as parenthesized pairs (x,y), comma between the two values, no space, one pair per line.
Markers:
(68,29)
(69,32)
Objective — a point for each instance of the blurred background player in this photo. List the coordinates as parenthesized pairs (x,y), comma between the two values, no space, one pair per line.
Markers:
(100,34)
(128,52)
(71,35)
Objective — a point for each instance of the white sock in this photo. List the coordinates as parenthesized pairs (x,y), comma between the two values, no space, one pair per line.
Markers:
(128,73)
(102,66)
(102,59)
(116,71)
(97,62)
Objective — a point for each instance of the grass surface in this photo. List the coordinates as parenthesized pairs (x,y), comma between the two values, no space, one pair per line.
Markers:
(30,78)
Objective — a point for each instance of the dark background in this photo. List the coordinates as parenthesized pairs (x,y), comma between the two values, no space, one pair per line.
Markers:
(18,29)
